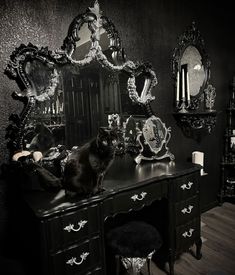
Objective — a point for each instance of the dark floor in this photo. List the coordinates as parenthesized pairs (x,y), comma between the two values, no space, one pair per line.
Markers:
(218,249)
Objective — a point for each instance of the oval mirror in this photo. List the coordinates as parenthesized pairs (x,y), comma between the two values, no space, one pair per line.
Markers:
(192,59)
(191,69)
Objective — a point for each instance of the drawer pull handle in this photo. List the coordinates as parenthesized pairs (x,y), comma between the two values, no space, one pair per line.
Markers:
(187,186)
(73,260)
(188,234)
(187,210)
(136,197)
(70,227)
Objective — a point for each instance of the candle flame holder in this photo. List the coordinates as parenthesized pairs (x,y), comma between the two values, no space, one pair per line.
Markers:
(182,105)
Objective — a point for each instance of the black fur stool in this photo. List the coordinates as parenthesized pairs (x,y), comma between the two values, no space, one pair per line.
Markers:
(133,244)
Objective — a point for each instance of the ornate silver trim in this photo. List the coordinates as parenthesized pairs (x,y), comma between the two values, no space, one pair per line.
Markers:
(73,260)
(134,265)
(187,210)
(186,186)
(139,197)
(188,234)
(70,227)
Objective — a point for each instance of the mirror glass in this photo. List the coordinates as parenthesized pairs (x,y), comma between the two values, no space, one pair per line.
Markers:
(83,45)
(154,133)
(81,94)
(38,74)
(196,72)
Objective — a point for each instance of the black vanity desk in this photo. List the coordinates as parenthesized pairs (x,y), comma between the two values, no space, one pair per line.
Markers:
(69,234)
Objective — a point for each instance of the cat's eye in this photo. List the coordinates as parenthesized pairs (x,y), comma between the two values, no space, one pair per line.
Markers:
(114,141)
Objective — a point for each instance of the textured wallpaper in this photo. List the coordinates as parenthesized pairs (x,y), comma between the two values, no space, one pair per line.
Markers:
(41,22)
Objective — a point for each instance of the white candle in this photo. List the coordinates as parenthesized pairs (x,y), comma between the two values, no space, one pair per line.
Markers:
(183,90)
(188,92)
(178,87)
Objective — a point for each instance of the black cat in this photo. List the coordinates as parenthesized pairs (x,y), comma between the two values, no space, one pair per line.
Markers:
(86,166)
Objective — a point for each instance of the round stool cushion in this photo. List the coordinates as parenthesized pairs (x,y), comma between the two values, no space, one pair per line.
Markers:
(134,239)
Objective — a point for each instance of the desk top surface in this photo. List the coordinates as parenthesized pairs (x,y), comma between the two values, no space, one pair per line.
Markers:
(123,175)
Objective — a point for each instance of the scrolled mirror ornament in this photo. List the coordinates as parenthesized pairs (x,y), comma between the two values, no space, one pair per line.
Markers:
(150,81)
(210,95)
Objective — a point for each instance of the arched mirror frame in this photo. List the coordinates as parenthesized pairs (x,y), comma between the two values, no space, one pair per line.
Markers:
(94,18)
(197,113)
(192,37)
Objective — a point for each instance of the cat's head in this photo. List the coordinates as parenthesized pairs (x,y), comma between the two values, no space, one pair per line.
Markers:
(107,137)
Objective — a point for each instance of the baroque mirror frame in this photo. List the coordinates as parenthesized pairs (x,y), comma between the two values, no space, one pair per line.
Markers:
(16,69)
(193,111)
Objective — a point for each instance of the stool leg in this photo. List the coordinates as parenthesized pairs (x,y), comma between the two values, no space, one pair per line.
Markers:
(117,259)
(148,266)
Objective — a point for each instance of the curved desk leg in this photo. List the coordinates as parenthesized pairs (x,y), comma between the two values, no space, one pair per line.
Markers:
(198,249)
(171,262)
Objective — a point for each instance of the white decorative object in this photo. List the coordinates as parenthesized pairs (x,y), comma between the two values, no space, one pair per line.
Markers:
(198,158)
(178,87)
(183,87)
(188,91)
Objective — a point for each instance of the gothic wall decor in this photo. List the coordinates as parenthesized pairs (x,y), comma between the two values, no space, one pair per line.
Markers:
(195,97)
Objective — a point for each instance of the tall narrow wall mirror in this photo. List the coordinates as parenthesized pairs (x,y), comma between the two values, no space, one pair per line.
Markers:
(194,95)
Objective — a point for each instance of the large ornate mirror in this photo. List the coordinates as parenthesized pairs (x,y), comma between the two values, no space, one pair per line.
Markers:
(71,92)
(195,96)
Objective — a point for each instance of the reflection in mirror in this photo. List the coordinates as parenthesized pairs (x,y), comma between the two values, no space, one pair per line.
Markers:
(196,72)
(83,45)
(38,74)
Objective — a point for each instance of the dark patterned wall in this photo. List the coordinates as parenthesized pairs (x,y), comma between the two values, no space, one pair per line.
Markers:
(149,31)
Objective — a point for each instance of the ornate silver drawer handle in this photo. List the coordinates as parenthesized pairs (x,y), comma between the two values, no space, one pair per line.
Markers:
(136,197)
(70,227)
(188,234)
(187,210)
(73,260)
(187,186)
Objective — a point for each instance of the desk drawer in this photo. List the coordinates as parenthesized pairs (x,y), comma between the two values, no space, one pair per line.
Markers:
(72,227)
(78,259)
(187,234)
(185,187)
(186,210)
(136,199)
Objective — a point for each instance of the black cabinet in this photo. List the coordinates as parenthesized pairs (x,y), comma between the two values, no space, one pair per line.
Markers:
(227,188)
